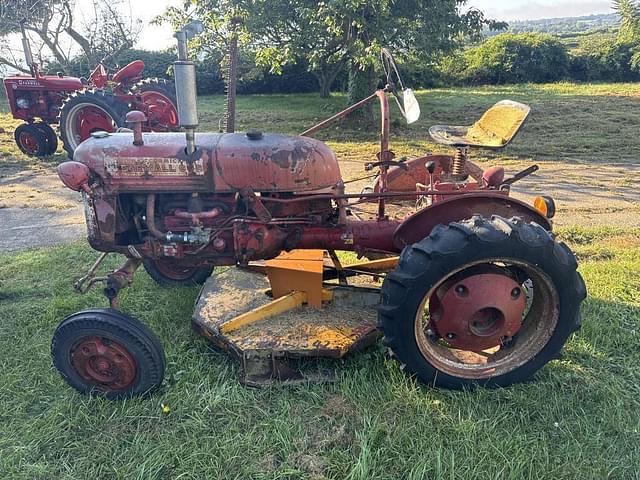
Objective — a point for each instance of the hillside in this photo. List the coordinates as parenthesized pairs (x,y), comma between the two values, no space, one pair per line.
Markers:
(568,25)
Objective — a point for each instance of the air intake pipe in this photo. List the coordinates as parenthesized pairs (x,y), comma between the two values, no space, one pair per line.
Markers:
(184,71)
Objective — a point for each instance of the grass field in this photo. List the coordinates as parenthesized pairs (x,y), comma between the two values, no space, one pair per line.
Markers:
(580,418)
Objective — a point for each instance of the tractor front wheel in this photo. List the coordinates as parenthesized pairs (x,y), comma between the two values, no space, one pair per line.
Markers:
(481,302)
(50,134)
(31,140)
(109,353)
(89,111)
(169,273)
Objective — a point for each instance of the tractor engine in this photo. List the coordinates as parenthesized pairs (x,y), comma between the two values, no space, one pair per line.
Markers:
(145,195)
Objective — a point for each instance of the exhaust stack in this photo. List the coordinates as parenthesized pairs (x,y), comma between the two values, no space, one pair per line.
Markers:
(184,71)
(26,48)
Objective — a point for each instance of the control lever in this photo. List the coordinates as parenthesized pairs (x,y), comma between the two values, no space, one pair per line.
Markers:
(523,174)
(386,163)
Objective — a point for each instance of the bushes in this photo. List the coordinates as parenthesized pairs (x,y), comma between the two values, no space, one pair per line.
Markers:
(511,58)
(540,58)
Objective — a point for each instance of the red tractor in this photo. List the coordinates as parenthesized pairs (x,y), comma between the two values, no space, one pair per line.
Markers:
(481,293)
(83,107)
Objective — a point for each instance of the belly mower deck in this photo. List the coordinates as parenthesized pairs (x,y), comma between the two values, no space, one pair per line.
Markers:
(298,305)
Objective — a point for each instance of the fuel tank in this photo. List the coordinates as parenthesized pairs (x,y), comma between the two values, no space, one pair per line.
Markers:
(222,163)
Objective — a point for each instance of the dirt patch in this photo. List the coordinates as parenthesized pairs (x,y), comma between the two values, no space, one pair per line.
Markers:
(36,209)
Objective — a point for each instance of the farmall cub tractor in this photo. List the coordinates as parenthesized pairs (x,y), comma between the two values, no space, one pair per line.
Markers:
(480,294)
(82,107)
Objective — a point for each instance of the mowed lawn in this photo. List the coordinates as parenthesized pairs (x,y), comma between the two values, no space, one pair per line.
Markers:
(579,418)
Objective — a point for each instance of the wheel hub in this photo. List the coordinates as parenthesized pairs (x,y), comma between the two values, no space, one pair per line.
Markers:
(104,363)
(91,119)
(478,312)
(161,113)
(29,142)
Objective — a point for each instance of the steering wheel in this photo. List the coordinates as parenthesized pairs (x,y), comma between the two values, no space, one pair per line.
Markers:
(392,77)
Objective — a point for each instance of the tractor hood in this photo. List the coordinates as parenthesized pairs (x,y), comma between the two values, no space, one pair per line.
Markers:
(222,163)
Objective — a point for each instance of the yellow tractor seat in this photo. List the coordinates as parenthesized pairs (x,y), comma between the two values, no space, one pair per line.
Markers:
(497,127)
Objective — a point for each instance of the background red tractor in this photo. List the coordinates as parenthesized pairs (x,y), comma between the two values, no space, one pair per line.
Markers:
(83,107)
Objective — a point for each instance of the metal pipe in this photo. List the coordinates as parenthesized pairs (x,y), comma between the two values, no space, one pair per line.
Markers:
(184,72)
(385,154)
(390,195)
(337,116)
(151,222)
(26,48)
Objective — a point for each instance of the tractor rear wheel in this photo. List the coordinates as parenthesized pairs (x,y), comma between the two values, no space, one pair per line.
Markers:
(159,103)
(31,140)
(89,111)
(52,138)
(481,302)
(107,352)
(169,273)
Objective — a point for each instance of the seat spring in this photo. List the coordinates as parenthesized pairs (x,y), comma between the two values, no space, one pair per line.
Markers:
(459,162)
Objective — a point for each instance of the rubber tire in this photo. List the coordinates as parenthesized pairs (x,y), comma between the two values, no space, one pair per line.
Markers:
(198,277)
(41,140)
(104,99)
(52,137)
(446,249)
(141,342)
(160,85)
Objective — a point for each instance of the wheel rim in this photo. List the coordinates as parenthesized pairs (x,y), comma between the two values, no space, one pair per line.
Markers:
(29,142)
(83,120)
(175,271)
(161,112)
(487,318)
(104,363)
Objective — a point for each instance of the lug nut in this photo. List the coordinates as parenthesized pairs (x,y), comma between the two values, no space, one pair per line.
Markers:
(451,336)
(515,293)
(462,291)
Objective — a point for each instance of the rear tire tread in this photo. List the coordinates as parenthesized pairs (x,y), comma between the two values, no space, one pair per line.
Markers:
(478,234)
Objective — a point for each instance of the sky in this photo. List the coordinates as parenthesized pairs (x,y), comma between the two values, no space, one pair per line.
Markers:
(531,10)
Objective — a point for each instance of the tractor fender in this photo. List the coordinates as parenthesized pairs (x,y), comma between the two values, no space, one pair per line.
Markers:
(420,224)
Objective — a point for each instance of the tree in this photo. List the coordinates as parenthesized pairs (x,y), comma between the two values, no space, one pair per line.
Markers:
(629,33)
(331,35)
(54,30)
(629,12)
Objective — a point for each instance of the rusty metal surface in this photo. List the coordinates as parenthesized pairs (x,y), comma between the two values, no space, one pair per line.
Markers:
(418,226)
(478,312)
(349,321)
(225,163)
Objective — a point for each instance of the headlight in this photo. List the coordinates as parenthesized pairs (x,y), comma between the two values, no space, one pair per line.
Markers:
(22,103)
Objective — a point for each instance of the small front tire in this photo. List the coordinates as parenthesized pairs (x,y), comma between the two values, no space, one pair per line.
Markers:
(50,134)
(31,140)
(107,352)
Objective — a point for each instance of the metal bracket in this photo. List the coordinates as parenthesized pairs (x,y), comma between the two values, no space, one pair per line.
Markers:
(256,204)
